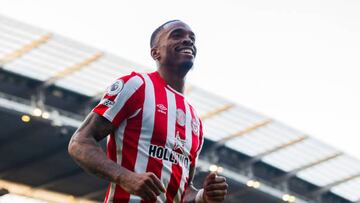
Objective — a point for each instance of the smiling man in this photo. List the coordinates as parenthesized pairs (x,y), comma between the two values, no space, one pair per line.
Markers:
(155,135)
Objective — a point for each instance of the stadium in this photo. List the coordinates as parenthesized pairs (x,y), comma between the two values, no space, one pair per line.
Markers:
(49,83)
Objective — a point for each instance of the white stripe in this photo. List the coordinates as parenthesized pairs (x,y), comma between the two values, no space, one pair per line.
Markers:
(147,126)
(128,90)
(170,140)
(119,137)
(188,144)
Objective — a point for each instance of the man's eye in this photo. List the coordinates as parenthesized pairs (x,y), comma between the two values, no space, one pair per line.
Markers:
(177,35)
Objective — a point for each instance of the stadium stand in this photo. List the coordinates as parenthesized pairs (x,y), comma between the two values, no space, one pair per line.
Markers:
(49,83)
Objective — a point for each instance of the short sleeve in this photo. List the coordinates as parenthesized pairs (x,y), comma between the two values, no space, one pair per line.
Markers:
(119,100)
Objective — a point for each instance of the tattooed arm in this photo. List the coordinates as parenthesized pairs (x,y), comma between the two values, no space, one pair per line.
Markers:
(87,153)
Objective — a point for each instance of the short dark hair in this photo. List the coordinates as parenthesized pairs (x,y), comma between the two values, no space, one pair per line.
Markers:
(156,32)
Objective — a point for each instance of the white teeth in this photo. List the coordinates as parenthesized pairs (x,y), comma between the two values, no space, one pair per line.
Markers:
(186,51)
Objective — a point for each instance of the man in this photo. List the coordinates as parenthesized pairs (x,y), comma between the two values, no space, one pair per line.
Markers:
(155,135)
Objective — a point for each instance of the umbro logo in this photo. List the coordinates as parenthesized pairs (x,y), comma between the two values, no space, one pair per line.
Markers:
(161,108)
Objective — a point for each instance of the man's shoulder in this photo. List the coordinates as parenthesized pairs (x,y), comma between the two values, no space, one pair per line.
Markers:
(135,77)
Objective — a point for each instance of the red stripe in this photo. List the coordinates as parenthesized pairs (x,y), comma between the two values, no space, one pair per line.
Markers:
(195,139)
(130,106)
(159,135)
(183,192)
(100,109)
(130,140)
(111,148)
(130,143)
(111,153)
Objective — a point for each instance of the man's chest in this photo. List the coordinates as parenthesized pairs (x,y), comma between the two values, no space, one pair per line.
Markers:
(170,122)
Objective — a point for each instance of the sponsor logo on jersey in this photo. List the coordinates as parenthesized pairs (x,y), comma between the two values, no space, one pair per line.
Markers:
(195,126)
(180,117)
(161,108)
(116,87)
(169,155)
(107,102)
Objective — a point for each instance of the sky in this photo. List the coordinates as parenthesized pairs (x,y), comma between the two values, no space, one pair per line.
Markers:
(295,61)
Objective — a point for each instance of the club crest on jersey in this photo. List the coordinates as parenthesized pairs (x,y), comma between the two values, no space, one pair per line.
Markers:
(180,117)
(116,87)
(195,126)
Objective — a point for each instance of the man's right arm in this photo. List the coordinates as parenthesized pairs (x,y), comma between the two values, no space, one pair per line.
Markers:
(86,151)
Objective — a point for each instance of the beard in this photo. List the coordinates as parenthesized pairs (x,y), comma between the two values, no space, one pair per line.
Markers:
(186,65)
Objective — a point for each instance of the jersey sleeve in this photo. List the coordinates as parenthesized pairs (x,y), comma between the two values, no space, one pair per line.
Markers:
(120,98)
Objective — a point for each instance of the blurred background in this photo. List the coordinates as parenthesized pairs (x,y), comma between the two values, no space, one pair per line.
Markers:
(275,83)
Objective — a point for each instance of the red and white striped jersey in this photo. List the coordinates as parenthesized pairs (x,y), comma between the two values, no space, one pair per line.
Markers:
(157,131)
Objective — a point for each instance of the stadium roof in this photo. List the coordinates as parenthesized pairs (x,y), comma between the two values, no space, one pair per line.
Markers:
(55,61)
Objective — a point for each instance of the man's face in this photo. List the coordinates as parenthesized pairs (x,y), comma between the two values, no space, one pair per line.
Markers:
(176,45)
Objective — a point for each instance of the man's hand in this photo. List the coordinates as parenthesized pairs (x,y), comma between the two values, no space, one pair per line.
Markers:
(215,188)
(145,185)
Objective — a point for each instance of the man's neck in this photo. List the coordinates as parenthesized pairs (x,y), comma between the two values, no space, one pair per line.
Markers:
(172,78)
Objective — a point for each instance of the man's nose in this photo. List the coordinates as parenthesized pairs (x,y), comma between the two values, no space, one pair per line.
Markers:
(187,41)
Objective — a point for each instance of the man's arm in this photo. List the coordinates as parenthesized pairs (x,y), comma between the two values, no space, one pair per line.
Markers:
(190,191)
(214,189)
(86,151)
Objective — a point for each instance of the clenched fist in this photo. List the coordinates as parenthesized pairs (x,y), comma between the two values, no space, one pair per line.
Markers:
(215,188)
(145,185)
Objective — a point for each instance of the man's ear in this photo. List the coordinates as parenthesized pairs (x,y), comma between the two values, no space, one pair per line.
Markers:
(155,54)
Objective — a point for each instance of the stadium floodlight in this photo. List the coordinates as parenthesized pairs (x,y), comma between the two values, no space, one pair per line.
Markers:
(45,115)
(25,118)
(253,183)
(213,168)
(220,169)
(288,198)
(37,112)
(256,184)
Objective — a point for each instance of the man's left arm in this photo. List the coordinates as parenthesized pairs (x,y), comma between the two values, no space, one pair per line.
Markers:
(214,189)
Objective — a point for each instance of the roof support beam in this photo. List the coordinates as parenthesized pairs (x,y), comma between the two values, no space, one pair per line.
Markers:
(55,197)
(244,132)
(25,49)
(295,171)
(288,144)
(240,133)
(325,159)
(216,111)
(329,186)
(261,155)
(74,68)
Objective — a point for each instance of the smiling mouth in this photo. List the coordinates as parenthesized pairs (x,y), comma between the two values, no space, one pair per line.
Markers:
(187,51)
